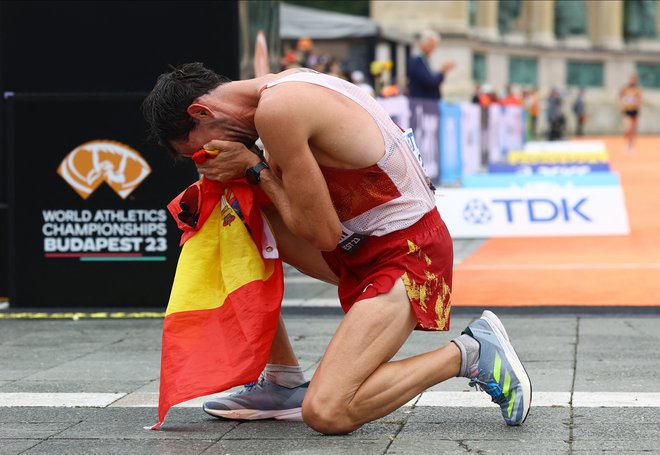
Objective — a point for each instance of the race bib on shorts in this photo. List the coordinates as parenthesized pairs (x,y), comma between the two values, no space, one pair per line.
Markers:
(350,241)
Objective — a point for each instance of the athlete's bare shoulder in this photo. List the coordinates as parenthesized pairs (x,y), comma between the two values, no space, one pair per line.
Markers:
(286,105)
(293,97)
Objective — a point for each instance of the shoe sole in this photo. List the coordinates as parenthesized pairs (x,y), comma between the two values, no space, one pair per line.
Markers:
(292,415)
(518,368)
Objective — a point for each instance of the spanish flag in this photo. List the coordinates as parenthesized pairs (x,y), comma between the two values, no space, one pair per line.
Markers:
(225,301)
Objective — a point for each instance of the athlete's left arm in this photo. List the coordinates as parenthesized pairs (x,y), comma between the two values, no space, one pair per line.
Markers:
(286,120)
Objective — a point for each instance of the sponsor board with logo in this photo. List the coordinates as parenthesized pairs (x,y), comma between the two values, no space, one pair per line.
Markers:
(520,180)
(548,168)
(88,218)
(555,154)
(565,146)
(533,210)
(543,189)
(526,157)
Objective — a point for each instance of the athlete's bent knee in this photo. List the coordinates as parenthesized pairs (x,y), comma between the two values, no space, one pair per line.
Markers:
(327,419)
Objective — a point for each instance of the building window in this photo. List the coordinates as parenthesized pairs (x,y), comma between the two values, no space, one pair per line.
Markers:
(639,19)
(479,67)
(507,12)
(472,10)
(570,18)
(649,74)
(523,71)
(584,74)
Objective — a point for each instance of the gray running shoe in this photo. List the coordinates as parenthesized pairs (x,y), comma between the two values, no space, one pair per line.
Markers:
(260,400)
(499,372)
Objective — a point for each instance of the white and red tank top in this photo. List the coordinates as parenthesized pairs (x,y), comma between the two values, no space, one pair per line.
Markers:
(388,196)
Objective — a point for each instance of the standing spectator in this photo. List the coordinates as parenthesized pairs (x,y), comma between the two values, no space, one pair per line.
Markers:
(423,81)
(477,94)
(580,113)
(532,102)
(556,118)
(304,47)
(510,98)
(630,100)
(485,98)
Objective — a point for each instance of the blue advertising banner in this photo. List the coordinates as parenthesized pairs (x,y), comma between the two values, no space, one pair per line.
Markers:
(450,143)
(425,122)
(548,169)
(470,138)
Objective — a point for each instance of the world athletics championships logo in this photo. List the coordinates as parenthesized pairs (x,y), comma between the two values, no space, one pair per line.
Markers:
(477,212)
(92,163)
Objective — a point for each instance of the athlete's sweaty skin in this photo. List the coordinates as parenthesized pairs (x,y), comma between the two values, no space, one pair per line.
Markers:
(303,126)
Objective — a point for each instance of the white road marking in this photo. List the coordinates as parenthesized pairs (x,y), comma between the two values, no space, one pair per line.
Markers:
(474,399)
(428,399)
(59,400)
(311,303)
(616,400)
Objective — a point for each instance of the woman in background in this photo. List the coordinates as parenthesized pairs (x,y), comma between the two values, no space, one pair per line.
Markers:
(630,101)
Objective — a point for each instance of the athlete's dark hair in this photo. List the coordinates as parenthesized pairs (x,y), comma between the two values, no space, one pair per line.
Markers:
(165,108)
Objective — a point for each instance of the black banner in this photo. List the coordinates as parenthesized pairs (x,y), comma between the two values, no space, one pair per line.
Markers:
(88,223)
(92,46)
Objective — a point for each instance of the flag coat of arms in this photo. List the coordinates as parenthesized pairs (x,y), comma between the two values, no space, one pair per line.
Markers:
(226,296)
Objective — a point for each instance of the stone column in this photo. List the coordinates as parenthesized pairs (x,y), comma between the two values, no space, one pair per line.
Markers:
(497,70)
(543,23)
(610,20)
(486,20)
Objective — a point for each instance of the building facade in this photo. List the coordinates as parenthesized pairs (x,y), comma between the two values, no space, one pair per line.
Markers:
(565,44)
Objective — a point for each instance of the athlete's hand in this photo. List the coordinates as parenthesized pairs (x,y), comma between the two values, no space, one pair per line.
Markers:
(231,162)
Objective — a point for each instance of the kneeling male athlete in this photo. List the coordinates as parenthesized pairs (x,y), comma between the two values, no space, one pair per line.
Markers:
(352,206)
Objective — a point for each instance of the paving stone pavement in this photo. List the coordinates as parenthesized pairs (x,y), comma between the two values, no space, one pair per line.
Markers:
(89,386)
(571,358)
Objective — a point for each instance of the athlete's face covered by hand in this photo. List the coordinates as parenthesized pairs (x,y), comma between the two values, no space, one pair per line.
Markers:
(212,123)
(197,138)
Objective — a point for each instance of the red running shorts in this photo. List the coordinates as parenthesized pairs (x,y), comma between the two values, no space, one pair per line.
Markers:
(421,255)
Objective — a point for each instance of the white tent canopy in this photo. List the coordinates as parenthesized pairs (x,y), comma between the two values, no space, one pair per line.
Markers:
(298,21)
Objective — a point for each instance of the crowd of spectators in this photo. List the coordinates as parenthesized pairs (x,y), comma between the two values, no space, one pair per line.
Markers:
(426,82)
(304,54)
(530,99)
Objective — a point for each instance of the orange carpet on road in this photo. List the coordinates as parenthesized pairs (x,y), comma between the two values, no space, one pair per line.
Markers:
(598,271)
